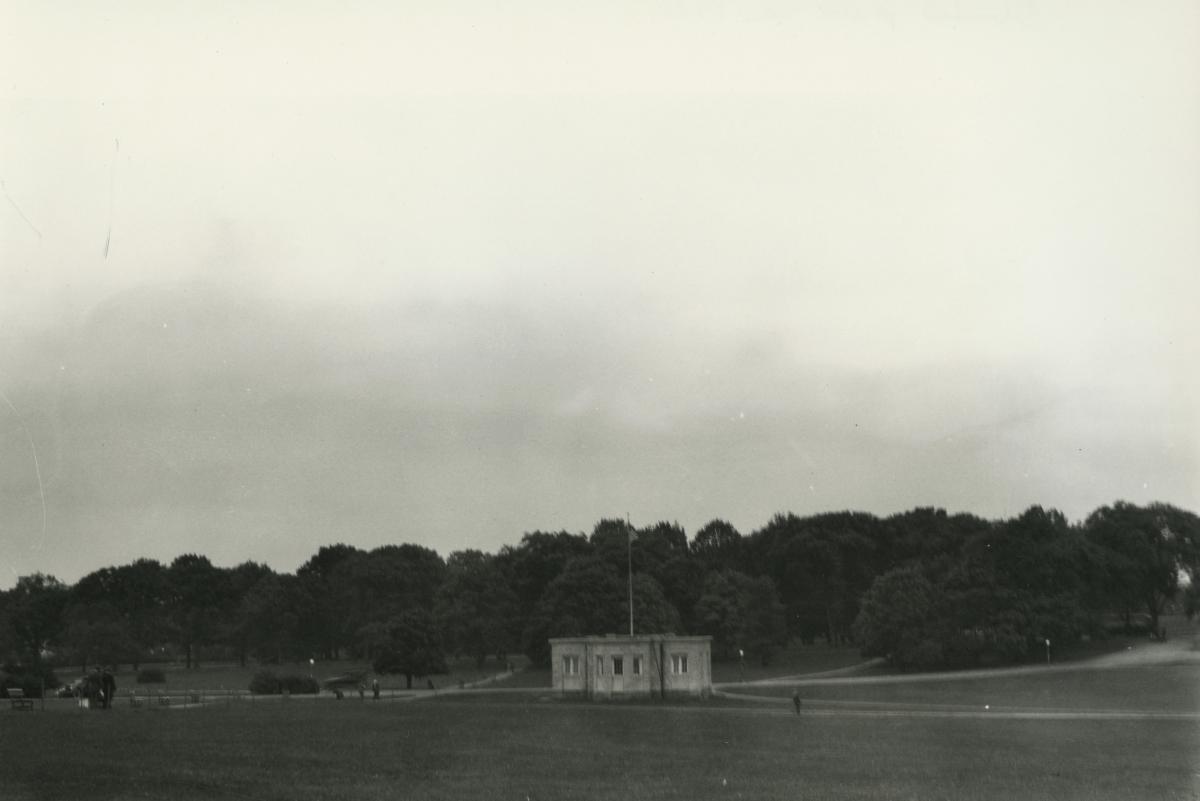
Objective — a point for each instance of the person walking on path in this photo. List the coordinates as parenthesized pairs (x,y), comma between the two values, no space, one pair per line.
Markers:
(796,700)
(375,688)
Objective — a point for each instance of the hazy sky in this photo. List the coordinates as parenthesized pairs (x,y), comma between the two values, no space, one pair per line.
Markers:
(291,274)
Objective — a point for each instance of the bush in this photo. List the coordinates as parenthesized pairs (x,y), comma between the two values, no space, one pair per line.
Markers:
(267,683)
(299,685)
(151,676)
(28,677)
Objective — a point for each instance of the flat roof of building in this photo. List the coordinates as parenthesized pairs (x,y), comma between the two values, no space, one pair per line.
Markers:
(616,638)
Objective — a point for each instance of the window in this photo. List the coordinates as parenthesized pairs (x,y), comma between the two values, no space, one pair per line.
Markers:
(678,663)
(570,666)
(599,666)
(618,665)
(637,666)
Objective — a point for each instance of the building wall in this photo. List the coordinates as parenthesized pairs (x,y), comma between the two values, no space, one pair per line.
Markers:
(697,680)
(681,665)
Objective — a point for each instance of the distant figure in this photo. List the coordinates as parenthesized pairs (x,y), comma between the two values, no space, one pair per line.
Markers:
(375,688)
(796,700)
(362,691)
(429,684)
(108,687)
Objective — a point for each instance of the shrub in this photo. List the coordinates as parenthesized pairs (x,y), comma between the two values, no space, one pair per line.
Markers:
(28,677)
(151,676)
(264,683)
(299,685)
(267,683)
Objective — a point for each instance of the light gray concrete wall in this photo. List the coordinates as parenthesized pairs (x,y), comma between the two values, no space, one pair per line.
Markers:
(596,677)
(698,678)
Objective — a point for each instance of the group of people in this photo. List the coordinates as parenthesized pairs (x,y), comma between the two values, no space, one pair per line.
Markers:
(99,688)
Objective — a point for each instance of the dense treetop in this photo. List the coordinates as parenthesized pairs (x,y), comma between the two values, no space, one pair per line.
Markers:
(923,588)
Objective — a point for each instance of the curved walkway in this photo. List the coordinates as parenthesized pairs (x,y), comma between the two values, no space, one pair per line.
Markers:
(1183,651)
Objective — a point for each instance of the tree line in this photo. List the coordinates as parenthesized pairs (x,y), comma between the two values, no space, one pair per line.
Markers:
(923,588)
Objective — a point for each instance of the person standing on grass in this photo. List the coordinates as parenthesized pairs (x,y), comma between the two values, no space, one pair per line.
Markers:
(375,688)
(108,687)
(93,689)
(796,700)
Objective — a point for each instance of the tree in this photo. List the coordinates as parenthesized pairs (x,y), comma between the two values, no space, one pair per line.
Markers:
(718,546)
(653,612)
(475,607)
(1151,553)
(719,612)
(197,602)
(97,635)
(378,585)
(897,619)
(326,627)
(820,565)
(130,599)
(682,579)
(741,613)
(407,643)
(35,609)
(588,597)
(764,628)
(610,541)
(537,561)
(267,621)
(143,599)
(1006,588)
(241,581)
(654,547)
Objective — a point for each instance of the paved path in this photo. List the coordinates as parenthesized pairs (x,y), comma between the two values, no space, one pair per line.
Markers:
(1180,651)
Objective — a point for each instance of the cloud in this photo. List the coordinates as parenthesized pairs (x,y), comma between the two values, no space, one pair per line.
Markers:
(186,417)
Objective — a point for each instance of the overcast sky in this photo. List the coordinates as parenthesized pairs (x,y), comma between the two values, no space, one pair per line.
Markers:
(288,274)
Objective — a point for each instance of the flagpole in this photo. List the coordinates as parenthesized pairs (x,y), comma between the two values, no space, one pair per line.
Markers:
(629,568)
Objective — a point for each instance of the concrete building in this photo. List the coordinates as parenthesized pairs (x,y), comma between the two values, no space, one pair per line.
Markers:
(646,666)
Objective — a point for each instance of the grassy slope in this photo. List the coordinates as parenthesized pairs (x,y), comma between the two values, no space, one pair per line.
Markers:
(798,660)
(1167,688)
(322,749)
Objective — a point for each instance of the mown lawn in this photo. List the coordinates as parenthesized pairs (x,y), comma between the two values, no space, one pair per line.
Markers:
(802,660)
(484,748)
(1163,688)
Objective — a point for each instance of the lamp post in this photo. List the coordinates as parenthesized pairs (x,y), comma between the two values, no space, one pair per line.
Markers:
(742,664)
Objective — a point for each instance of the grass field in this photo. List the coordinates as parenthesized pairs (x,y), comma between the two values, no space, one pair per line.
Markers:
(516,746)
(801,660)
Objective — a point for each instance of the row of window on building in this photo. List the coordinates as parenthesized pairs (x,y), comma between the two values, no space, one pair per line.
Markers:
(679,665)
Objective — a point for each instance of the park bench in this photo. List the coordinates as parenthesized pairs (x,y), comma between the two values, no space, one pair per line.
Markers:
(19,699)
